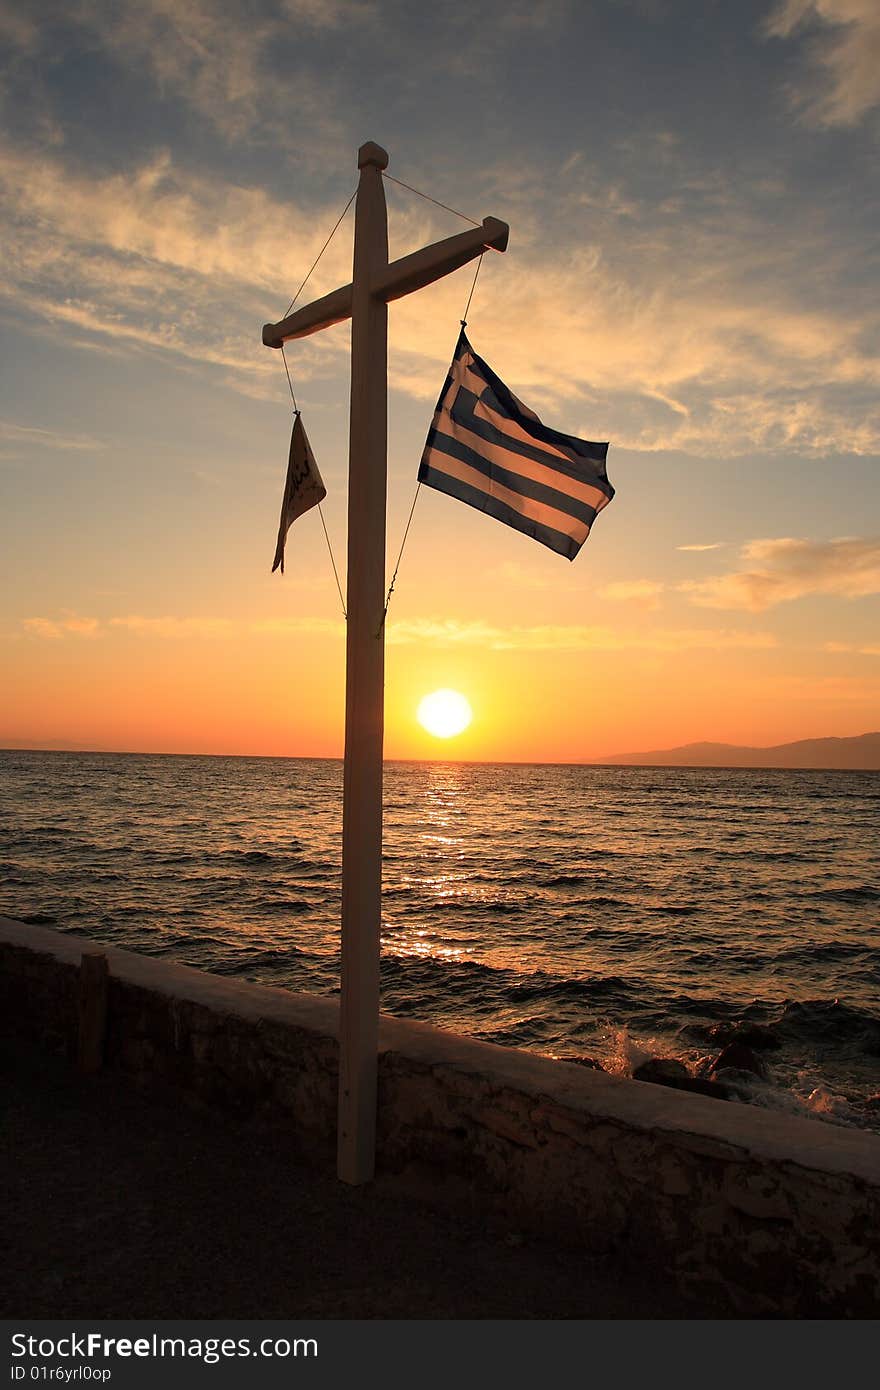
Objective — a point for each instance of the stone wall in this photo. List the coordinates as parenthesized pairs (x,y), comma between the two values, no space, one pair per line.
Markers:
(780,1213)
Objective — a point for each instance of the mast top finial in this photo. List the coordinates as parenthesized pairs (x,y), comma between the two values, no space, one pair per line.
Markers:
(371,153)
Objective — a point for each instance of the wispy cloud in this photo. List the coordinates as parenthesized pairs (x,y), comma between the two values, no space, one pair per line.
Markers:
(173,627)
(17,440)
(19,30)
(442,632)
(643,593)
(330,14)
(68,625)
(218,59)
(711,545)
(709,345)
(818,690)
(163,261)
(713,352)
(452,632)
(777,571)
(844,50)
(512,574)
(852,648)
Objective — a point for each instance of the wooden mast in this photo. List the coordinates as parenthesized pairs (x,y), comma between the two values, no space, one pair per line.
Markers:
(365,301)
(365,680)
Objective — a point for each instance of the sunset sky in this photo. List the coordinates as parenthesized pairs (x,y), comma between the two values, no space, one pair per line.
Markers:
(692,274)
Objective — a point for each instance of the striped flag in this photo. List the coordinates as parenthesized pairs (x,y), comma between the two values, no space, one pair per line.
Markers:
(303,488)
(487,449)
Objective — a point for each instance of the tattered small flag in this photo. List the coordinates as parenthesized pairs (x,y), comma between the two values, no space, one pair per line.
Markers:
(303,489)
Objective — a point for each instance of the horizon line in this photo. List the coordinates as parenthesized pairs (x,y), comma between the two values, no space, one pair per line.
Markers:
(610,760)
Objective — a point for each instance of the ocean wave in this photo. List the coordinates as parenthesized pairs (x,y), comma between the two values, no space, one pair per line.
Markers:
(862,893)
(579,900)
(286,905)
(814,951)
(817,1025)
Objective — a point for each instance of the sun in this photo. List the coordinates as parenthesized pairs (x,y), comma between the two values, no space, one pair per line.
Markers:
(444,713)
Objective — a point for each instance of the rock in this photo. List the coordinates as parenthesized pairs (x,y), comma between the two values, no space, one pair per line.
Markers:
(665,1071)
(739,1084)
(706,1088)
(738,1056)
(755,1035)
(668,1071)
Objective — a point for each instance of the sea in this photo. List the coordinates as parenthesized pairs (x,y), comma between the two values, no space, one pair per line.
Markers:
(581,912)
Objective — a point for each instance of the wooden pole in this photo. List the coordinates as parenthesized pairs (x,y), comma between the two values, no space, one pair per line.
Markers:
(365,300)
(364,685)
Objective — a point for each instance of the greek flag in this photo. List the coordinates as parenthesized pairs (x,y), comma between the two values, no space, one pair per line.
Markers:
(487,449)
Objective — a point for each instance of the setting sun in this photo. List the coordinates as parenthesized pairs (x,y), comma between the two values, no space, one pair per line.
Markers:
(444,713)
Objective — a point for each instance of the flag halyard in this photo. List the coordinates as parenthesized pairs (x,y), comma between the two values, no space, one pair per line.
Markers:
(487,449)
(303,488)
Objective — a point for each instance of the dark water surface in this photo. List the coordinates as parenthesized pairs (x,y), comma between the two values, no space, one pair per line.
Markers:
(566,909)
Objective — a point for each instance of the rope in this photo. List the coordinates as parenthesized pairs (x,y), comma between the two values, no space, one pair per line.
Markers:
(473,287)
(455,213)
(399,556)
(429,199)
(289,382)
(296,410)
(474,223)
(319,255)
(332,561)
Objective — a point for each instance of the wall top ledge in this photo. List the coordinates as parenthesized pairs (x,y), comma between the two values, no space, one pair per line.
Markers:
(761,1134)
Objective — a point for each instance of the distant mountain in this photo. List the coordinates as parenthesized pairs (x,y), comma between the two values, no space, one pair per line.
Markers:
(848,754)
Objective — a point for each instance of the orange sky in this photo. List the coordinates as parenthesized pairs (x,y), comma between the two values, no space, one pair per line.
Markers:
(660,291)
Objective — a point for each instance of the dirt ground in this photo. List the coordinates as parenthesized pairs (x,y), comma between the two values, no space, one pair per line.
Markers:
(125,1205)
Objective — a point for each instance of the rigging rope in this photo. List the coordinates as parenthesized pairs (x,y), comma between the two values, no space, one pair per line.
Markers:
(332,561)
(455,213)
(296,410)
(399,556)
(319,255)
(467,306)
(429,199)
(289,382)
(473,287)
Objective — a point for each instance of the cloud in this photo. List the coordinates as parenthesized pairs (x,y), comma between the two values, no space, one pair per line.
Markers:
(857,649)
(777,571)
(844,47)
(442,632)
(158,215)
(512,574)
(320,627)
(174,627)
(218,59)
(643,592)
(624,335)
(712,352)
(712,545)
(823,690)
(18,29)
(164,261)
(53,628)
(177,628)
(452,632)
(26,437)
(329,14)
